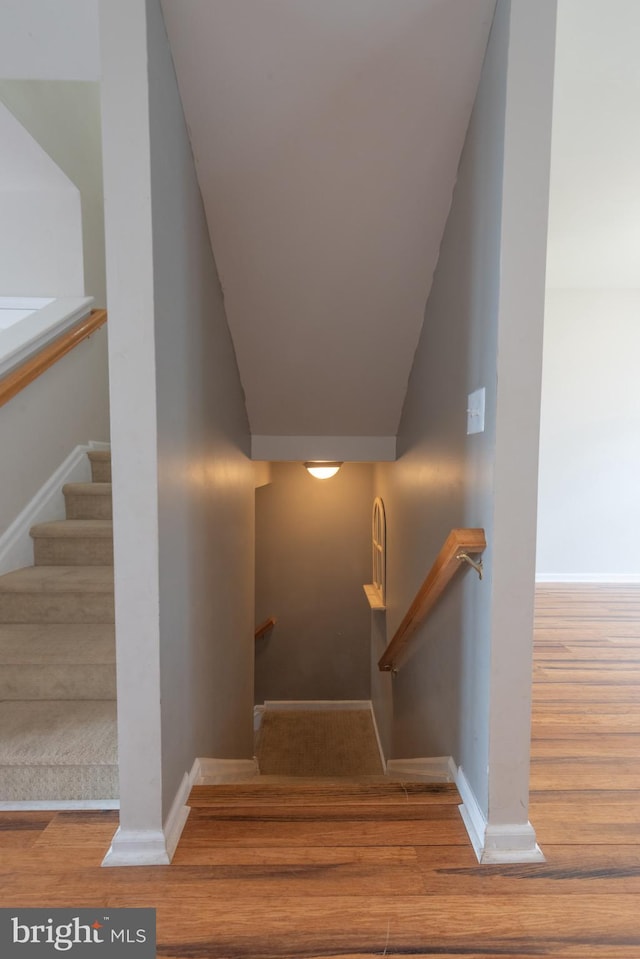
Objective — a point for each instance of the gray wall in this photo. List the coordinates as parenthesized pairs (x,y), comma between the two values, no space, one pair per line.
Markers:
(482,328)
(313,555)
(590,436)
(65,407)
(183,487)
(64,118)
(205,479)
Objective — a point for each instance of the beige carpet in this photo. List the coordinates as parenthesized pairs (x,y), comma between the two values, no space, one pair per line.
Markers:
(309,742)
(58,736)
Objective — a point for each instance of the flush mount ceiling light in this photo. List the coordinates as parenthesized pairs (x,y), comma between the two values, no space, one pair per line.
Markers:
(322,469)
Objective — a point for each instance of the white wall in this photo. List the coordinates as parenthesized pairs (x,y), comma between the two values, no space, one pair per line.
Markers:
(64,118)
(40,219)
(65,407)
(183,486)
(466,691)
(590,437)
(313,555)
(49,39)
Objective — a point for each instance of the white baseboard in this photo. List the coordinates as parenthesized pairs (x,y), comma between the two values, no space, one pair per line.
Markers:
(137,847)
(508,843)
(16,545)
(211,772)
(317,704)
(154,847)
(620,578)
(383,758)
(59,805)
(258,715)
(432,769)
(179,812)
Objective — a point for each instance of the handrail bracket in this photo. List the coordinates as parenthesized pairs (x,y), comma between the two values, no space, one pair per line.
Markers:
(459,546)
(474,563)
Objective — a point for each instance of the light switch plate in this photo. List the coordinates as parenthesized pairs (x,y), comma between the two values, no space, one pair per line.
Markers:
(475,412)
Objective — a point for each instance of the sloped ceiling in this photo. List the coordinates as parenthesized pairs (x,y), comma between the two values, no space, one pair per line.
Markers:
(326,135)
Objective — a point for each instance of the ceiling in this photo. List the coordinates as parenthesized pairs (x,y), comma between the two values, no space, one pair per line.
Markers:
(326,135)
(594,215)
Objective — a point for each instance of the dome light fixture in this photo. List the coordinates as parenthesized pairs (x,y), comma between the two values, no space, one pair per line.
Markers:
(322,469)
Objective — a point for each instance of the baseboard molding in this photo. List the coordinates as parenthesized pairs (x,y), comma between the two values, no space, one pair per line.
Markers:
(508,843)
(58,805)
(317,704)
(16,545)
(431,769)
(258,715)
(211,772)
(621,578)
(137,847)
(154,847)
(179,812)
(383,758)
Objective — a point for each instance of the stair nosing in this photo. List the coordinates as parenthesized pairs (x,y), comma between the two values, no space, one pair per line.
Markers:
(73,529)
(98,488)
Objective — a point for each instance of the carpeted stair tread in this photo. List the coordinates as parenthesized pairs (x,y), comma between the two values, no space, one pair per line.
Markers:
(57,644)
(57,750)
(58,579)
(318,742)
(87,489)
(57,594)
(100,465)
(57,661)
(87,500)
(73,542)
(74,529)
(58,733)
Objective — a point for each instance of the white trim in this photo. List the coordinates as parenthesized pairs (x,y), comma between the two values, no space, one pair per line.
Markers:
(58,804)
(332,704)
(212,772)
(383,759)
(137,847)
(588,578)
(508,843)
(154,847)
(431,769)
(354,449)
(511,843)
(472,815)
(16,546)
(179,812)
(22,340)
(258,715)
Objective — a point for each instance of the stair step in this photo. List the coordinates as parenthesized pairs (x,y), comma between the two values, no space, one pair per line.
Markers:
(87,500)
(290,791)
(73,542)
(54,661)
(57,594)
(100,465)
(58,750)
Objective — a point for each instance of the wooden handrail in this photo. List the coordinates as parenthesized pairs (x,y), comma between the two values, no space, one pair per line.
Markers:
(445,566)
(265,627)
(38,364)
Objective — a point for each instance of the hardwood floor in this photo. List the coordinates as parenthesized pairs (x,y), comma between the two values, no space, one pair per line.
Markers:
(379,871)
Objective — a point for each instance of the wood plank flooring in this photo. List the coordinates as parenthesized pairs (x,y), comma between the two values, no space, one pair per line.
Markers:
(353,872)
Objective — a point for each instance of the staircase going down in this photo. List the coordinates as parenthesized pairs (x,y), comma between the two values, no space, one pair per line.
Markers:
(57,655)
